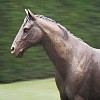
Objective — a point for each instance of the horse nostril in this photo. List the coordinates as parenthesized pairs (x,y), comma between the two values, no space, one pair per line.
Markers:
(12,49)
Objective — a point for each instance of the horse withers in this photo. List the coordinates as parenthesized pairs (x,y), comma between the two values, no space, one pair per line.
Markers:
(77,64)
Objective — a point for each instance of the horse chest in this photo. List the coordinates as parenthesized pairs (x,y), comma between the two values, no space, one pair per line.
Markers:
(77,82)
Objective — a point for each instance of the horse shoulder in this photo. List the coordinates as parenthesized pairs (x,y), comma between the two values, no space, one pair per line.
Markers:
(80,72)
(96,72)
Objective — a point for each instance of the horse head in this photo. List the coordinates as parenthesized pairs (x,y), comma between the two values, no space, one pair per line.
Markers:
(29,35)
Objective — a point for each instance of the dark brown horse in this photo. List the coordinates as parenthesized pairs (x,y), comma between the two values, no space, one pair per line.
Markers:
(77,64)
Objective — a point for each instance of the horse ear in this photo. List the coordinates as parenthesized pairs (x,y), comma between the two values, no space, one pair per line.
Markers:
(26,11)
(30,14)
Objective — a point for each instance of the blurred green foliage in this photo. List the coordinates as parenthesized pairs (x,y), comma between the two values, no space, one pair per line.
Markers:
(81,17)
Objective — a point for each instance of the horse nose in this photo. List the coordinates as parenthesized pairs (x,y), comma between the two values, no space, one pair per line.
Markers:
(12,49)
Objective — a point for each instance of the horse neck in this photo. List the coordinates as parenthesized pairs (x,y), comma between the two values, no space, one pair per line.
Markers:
(57,45)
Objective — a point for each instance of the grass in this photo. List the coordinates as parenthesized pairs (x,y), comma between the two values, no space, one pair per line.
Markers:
(30,90)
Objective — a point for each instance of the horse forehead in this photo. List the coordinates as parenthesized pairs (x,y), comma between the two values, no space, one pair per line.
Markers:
(27,22)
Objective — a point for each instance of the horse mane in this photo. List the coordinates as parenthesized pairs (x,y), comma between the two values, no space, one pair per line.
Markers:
(66,32)
(51,20)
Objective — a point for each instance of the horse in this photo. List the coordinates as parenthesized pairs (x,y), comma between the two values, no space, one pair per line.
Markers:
(77,65)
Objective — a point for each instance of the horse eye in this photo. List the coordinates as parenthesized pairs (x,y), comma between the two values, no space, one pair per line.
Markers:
(26,30)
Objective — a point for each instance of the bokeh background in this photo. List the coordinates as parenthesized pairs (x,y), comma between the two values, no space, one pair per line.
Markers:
(80,17)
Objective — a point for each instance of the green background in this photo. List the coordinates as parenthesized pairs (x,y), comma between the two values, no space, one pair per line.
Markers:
(80,17)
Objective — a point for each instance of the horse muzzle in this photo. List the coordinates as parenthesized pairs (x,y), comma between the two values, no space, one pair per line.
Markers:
(17,53)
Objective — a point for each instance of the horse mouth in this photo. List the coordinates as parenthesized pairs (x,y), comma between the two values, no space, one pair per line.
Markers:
(18,54)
